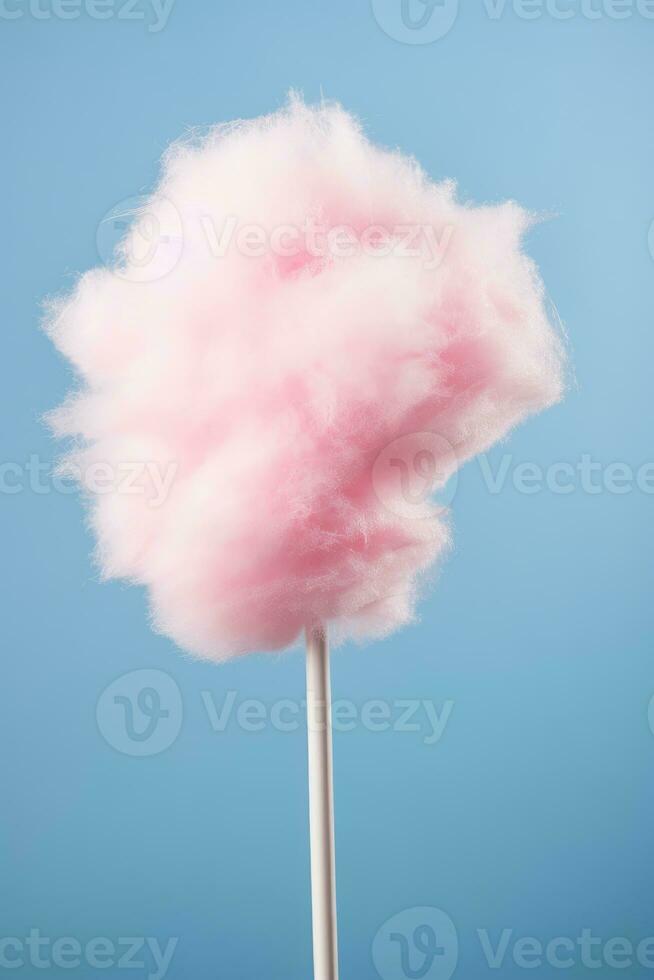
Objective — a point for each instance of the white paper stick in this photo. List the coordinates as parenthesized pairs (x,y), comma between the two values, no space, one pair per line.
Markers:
(321,807)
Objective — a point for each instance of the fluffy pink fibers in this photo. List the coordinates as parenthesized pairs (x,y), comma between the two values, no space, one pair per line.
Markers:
(298,328)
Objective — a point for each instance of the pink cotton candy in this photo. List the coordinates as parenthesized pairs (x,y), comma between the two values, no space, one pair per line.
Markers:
(260,411)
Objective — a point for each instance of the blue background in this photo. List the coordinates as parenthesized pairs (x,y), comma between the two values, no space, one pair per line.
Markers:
(534,811)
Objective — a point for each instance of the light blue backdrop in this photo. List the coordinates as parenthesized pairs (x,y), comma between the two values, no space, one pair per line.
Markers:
(533,812)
